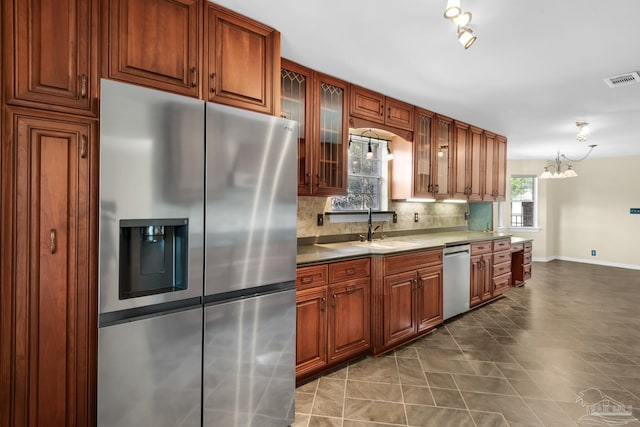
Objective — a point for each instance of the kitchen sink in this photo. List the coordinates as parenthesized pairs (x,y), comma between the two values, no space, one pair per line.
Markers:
(388,244)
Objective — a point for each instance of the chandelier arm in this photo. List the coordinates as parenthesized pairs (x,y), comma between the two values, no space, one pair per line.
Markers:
(591,147)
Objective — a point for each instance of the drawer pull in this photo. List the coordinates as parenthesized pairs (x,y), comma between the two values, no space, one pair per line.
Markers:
(194,75)
(53,241)
(323,307)
(351,271)
(213,82)
(306,279)
(83,86)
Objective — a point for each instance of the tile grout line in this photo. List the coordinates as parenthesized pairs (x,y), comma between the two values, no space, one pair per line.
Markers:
(456,383)
(344,394)
(404,404)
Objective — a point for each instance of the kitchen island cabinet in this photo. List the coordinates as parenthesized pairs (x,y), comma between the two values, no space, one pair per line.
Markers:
(521,262)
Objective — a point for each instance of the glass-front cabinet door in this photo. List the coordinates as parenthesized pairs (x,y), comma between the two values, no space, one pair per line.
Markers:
(443,130)
(295,82)
(423,151)
(331,129)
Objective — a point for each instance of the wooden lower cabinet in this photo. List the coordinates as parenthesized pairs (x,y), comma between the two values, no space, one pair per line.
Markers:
(333,309)
(408,299)
(349,319)
(48,294)
(481,279)
(311,330)
(521,263)
(490,270)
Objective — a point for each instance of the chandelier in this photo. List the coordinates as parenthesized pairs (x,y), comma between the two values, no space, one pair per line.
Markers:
(561,166)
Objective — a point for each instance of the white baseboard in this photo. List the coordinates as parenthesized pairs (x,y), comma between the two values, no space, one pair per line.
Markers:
(589,261)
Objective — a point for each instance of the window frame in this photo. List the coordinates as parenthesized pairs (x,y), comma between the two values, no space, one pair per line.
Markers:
(506,208)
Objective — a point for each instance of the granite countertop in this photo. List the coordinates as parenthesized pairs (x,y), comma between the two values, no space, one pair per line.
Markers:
(319,253)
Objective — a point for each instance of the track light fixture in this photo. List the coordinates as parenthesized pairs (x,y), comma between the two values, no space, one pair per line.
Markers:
(461,20)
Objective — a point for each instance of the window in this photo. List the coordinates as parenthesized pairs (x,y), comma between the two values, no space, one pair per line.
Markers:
(365,187)
(523,201)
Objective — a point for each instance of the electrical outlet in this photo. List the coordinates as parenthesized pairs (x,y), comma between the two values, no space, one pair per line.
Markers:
(634,211)
(593,252)
(395,218)
(415,217)
(320,220)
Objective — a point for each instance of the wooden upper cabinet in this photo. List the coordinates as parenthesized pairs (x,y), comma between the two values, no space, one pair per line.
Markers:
(242,61)
(51,54)
(378,108)
(398,114)
(296,83)
(423,154)
(154,43)
(366,104)
(50,348)
(460,159)
(489,159)
(501,168)
(442,167)
(475,172)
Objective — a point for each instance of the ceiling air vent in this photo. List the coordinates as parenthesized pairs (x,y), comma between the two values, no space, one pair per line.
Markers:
(623,80)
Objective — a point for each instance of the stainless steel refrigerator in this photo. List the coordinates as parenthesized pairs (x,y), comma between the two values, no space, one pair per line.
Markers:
(197,263)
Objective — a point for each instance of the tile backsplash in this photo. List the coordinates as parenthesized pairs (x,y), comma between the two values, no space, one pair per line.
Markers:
(430,215)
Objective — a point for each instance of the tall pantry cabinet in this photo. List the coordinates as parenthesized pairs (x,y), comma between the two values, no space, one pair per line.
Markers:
(48,177)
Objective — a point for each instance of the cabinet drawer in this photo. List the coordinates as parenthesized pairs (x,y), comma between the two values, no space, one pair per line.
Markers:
(481,248)
(527,246)
(527,258)
(500,284)
(527,271)
(517,247)
(400,263)
(501,245)
(347,270)
(500,269)
(309,277)
(500,257)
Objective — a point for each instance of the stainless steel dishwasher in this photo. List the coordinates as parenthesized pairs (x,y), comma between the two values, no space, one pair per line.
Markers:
(456,270)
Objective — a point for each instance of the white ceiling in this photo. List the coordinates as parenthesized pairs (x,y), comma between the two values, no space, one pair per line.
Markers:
(536,68)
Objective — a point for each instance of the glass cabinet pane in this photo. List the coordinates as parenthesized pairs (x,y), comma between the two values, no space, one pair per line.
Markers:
(423,156)
(293,106)
(443,155)
(331,155)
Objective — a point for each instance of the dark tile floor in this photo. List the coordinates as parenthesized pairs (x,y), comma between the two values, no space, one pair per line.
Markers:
(539,356)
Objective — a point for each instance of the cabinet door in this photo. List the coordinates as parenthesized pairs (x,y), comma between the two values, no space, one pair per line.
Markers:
(443,160)
(429,294)
(475,169)
(51,296)
(330,130)
(501,169)
(490,167)
(311,330)
(423,152)
(53,54)
(399,307)
(295,101)
(487,277)
(398,114)
(349,319)
(367,104)
(501,284)
(242,61)
(476,280)
(155,43)
(460,160)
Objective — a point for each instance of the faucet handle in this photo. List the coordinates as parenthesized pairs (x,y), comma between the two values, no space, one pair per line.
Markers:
(362,237)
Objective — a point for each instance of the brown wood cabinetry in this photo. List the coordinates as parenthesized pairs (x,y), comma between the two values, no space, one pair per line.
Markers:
(521,262)
(333,314)
(501,273)
(481,274)
(242,61)
(381,109)
(495,176)
(319,103)
(423,154)
(461,160)
(155,43)
(443,161)
(50,52)
(410,298)
(48,299)
(475,169)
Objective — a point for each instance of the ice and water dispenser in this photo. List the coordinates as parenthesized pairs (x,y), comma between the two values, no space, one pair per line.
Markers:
(153,256)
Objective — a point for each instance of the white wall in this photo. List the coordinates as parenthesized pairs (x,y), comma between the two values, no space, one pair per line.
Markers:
(588,212)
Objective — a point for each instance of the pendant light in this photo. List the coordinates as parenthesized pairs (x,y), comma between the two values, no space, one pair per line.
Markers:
(369,155)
